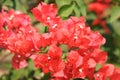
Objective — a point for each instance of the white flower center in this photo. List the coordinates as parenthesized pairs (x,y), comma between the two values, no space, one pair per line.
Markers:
(81,26)
(30,31)
(54,26)
(49,58)
(11,17)
(19,56)
(32,49)
(80,70)
(97,75)
(75,36)
(48,18)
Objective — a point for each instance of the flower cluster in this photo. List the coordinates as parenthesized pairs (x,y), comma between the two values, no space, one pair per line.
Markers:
(18,36)
(99,7)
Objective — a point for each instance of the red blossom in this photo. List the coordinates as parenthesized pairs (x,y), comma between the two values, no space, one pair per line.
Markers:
(23,46)
(41,61)
(18,19)
(105,72)
(96,36)
(75,59)
(57,68)
(116,74)
(102,23)
(46,39)
(80,72)
(75,34)
(85,70)
(44,12)
(18,61)
(98,8)
(17,35)
(3,38)
(51,62)
(55,24)
(99,56)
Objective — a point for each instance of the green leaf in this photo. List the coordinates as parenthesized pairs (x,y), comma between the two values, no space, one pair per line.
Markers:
(83,10)
(82,7)
(38,74)
(86,79)
(30,65)
(64,47)
(115,13)
(46,1)
(20,6)
(16,74)
(15,4)
(116,27)
(4,77)
(66,10)
(40,27)
(79,2)
(46,77)
(98,66)
(77,11)
(61,3)
(8,3)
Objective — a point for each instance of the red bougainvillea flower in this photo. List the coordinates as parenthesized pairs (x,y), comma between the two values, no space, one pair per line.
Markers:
(15,19)
(116,74)
(102,23)
(23,41)
(19,61)
(55,24)
(85,70)
(105,72)
(44,12)
(18,36)
(73,33)
(75,59)
(3,38)
(99,7)
(23,46)
(56,63)
(76,34)
(99,56)
(18,19)
(47,15)
(41,61)
(96,36)
(51,62)
(79,72)
(82,71)
(81,67)
(46,39)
